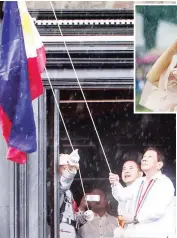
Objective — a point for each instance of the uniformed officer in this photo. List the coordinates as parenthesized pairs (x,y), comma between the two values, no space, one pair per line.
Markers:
(70,217)
(68,166)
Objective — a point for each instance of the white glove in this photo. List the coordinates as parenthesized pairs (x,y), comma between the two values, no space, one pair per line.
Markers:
(73,158)
(89,215)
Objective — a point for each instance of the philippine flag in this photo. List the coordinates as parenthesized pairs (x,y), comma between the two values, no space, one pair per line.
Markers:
(22,60)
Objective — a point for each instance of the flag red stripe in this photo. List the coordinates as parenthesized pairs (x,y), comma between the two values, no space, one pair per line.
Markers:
(5,123)
(13,154)
(16,155)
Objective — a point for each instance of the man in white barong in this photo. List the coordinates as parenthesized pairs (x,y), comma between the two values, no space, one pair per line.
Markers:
(130,172)
(160,90)
(151,197)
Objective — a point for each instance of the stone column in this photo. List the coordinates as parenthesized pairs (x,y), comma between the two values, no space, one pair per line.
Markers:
(5,190)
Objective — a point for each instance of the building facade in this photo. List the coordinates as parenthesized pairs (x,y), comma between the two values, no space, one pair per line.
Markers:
(100,43)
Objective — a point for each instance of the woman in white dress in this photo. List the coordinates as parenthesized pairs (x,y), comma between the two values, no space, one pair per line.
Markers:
(160,91)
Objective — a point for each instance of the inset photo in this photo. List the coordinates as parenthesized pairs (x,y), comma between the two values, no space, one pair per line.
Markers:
(155,58)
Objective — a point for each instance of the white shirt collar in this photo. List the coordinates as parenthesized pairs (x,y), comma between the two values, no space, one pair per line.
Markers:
(105,215)
(156,176)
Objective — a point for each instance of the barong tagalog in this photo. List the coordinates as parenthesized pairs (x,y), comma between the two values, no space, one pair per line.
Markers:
(161,96)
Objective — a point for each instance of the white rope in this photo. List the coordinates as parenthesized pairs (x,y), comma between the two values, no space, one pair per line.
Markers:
(81,88)
(66,133)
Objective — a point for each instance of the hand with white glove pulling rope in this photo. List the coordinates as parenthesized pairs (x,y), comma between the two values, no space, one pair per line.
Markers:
(88,214)
(69,162)
(73,159)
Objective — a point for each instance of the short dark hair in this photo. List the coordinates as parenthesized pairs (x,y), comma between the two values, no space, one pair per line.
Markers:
(101,190)
(160,156)
(132,156)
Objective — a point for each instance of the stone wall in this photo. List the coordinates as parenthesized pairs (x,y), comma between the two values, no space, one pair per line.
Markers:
(90,4)
(71,5)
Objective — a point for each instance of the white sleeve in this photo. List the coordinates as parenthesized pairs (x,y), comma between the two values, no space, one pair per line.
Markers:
(154,98)
(157,98)
(164,196)
(165,76)
(66,181)
(121,208)
(121,193)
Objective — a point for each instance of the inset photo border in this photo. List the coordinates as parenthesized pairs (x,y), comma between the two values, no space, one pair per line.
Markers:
(155,58)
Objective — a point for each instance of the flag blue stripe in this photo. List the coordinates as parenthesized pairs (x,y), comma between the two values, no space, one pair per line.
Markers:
(15,97)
